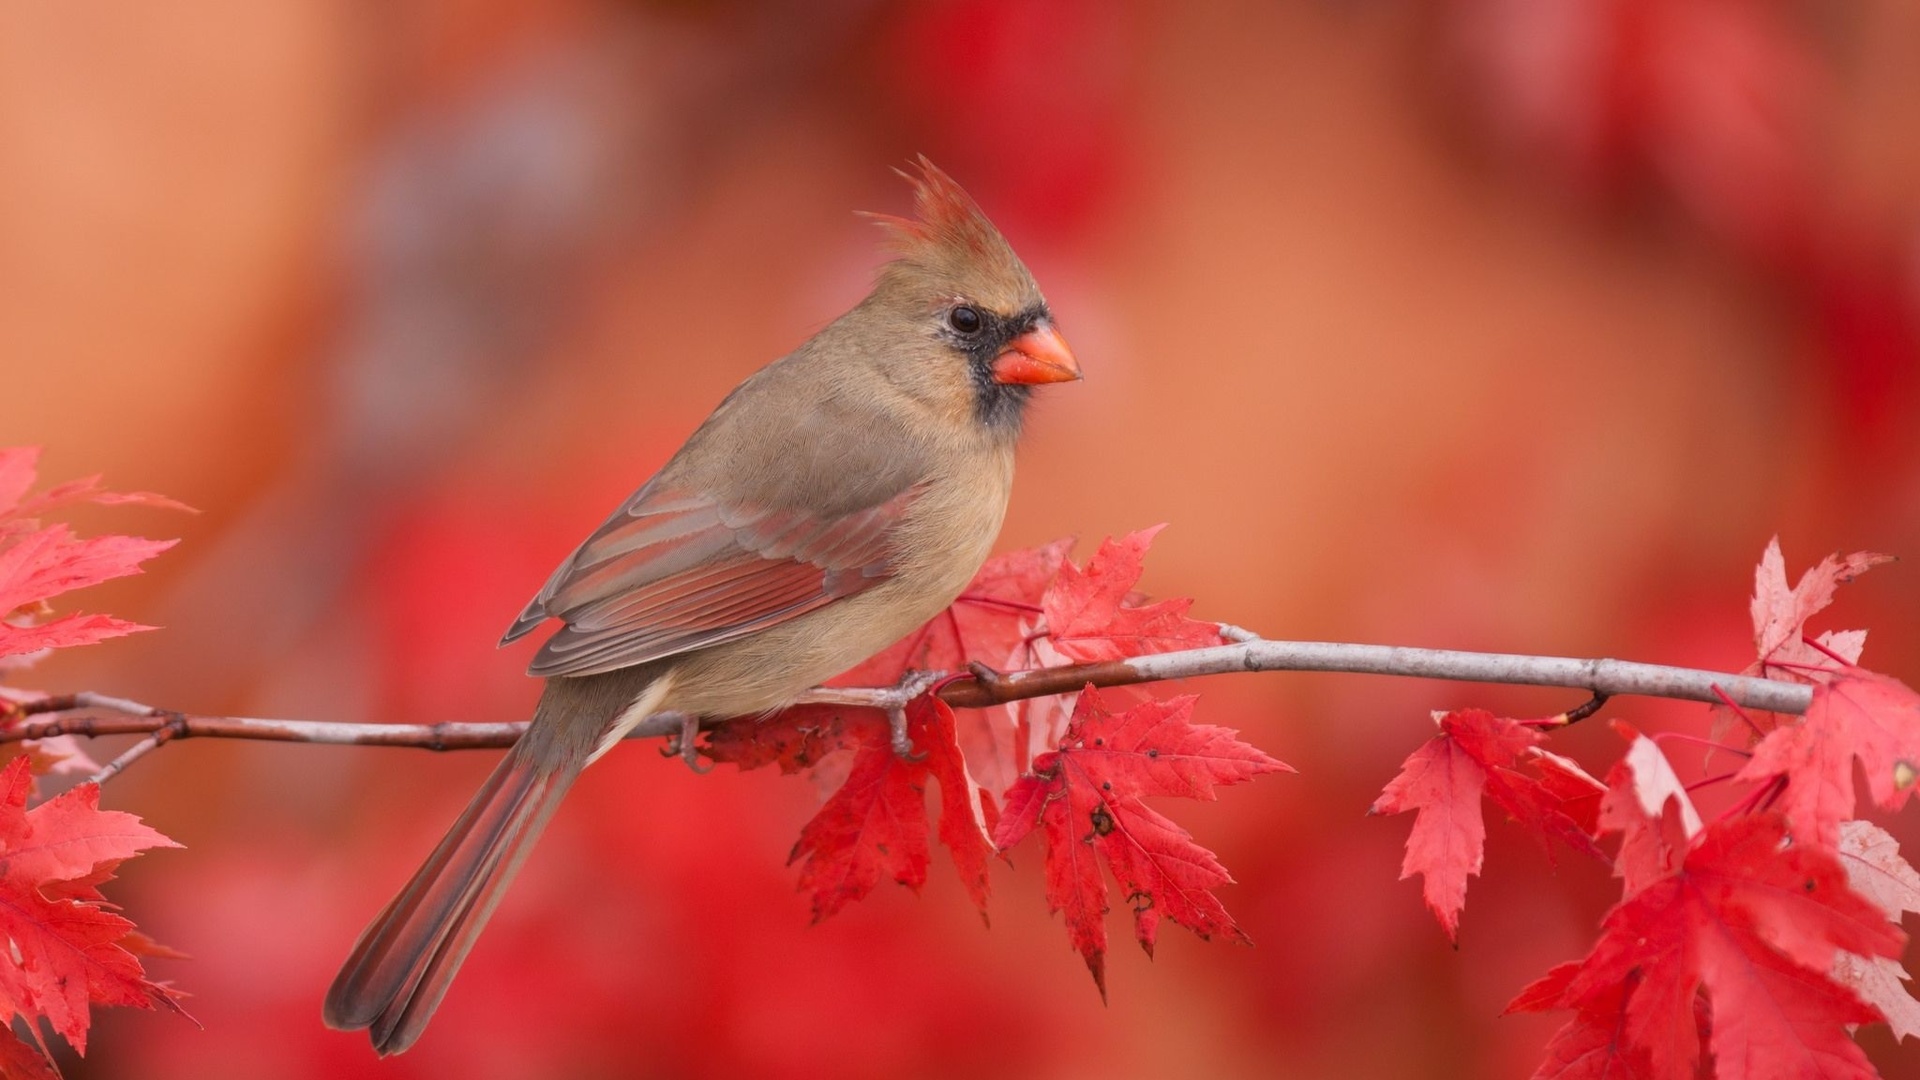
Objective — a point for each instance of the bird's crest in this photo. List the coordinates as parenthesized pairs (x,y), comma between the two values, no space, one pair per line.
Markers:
(949,237)
(945,217)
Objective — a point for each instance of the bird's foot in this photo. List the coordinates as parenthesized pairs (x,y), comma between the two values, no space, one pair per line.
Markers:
(902,742)
(684,745)
(911,685)
(892,700)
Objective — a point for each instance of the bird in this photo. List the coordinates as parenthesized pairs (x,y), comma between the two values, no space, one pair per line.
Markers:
(837,499)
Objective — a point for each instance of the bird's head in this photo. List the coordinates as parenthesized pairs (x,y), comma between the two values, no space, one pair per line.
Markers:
(955,286)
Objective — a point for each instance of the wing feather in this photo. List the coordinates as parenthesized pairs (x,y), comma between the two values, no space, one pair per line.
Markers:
(674,571)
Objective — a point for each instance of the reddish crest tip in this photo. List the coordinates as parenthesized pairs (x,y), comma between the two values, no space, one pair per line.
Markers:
(944,214)
(941,203)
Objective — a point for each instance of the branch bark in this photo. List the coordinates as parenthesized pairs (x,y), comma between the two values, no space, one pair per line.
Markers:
(81,714)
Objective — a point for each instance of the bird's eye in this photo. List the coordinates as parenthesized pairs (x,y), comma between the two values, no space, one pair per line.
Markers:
(966,319)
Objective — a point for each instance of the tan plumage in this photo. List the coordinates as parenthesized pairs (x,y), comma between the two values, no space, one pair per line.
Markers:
(837,499)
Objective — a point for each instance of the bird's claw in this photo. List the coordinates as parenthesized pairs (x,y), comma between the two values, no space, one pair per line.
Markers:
(902,742)
(683,745)
(910,686)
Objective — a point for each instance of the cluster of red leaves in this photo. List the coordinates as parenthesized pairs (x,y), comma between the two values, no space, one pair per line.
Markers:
(1077,768)
(70,948)
(1766,934)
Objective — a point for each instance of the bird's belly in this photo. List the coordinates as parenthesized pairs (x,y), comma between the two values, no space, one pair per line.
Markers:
(769,669)
(949,538)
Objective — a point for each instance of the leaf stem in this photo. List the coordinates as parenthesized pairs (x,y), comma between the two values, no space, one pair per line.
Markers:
(1681,736)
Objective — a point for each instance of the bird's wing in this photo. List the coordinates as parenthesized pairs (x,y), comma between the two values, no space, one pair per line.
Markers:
(675,571)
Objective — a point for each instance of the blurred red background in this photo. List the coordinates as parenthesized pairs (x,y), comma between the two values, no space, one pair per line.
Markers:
(1471,323)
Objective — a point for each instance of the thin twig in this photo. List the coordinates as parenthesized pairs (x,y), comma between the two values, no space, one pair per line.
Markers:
(133,753)
(1587,708)
(40,717)
(1610,677)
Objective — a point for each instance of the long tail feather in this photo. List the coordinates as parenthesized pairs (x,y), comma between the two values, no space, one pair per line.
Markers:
(404,962)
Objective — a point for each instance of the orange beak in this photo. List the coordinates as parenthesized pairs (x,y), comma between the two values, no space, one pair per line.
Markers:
(1037,356)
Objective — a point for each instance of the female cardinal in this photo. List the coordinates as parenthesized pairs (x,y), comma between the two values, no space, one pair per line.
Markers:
(837,499)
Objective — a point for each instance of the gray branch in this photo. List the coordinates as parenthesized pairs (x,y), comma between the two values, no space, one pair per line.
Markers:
(92,715)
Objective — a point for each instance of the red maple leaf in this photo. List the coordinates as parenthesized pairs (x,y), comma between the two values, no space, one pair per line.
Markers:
(1780,614)
(43,564)
(18,468)
(1475,754)
(1755,923)
(1876,870)
(69,950)
(38,563)
(19,1061)
(796,738)
(1855,714)
(1086,798)
(1094,614)
(876,824)
(1648,806)
(1780,617)
(1591,1046)
(1578,792)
